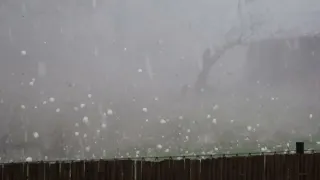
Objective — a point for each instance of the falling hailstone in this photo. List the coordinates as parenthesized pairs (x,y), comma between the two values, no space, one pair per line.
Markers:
(88,148)
(89,95)
(35,135)
(57,110)
(139,70)
(44,102)
(23,107)
(215,107)
(162,121)
(104,125)
(156,98)
(82,105)
(75,108)
(167,150)
(214,121)
(85,135)
(310,116)
(23,53)
(159,146)
(249,128)
(180,117)
(76,124)
(231,121)
(208,116)
(85,120)
(263,149)
(149,68)
(29,159)
(51,99)
(109,112)
(144,109)
(76,133)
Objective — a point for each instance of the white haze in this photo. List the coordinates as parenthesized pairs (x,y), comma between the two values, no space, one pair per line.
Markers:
(110,75)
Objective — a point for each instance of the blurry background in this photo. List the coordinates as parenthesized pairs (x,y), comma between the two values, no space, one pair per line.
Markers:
(106,78)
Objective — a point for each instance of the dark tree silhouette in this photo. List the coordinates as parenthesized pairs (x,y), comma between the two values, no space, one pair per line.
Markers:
(209,60)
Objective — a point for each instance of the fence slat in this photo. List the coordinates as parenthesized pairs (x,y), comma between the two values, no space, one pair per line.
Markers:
(258,167)
(249,168)
(187,168)
(8,171)
(279,161)
(242,168)
(308,166)
(179,170)
(270,170)
(165,169)
(157,170)
(317,165)
(1,172)
(101,170)
(36,171)
(225,168)
(219,168)
(13,172)
(138,170)
(91,170)
(65,171)
(291,168)
(52,171)
(112,170)
(235,168)
(128,169)
(195,170)
(305,172)
(78,170)
(146,170)
(206,169)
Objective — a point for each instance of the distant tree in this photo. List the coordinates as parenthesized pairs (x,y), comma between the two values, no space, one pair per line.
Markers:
(209,59)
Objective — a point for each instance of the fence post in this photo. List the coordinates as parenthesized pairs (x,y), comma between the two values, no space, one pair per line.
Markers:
(299,148)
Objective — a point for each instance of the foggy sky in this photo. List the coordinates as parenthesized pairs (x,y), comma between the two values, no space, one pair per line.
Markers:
(131,55)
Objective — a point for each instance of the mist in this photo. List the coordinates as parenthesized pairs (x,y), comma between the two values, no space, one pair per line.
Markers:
(104,79)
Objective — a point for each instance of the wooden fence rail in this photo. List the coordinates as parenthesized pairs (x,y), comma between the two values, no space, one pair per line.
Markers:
(263,167)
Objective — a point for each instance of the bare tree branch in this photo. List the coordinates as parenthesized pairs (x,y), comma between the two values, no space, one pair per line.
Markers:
(209,61)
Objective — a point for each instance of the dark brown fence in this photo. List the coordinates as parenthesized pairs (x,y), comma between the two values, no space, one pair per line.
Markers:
(263,167)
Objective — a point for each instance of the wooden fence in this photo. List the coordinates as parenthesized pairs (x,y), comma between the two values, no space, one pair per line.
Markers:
(263,167)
